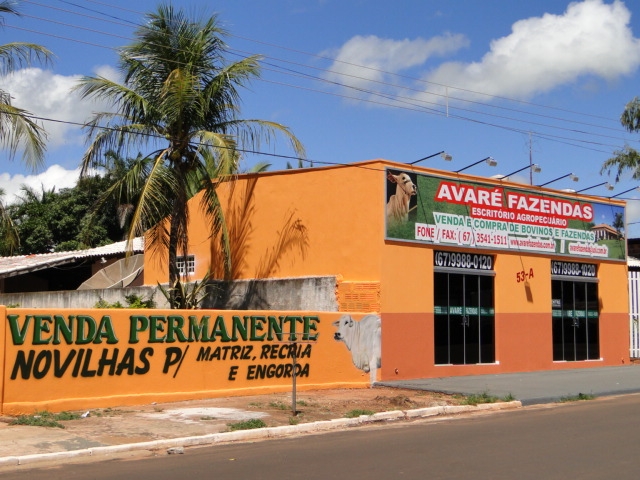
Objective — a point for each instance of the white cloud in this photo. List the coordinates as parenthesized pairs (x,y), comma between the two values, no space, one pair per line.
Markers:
(541,53)
(55,176)
(633,211)
(591,39)
(48,95)
(108,72)
(379,56)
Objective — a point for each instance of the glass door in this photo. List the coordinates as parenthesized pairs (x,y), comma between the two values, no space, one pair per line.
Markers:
(464,319)
(575,320)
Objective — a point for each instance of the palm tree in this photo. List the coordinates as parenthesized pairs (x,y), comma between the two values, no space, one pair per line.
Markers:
(9,238)
(628,159)
(179,99)
(18,131)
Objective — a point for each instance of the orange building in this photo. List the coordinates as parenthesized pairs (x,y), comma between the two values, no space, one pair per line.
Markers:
(469,275)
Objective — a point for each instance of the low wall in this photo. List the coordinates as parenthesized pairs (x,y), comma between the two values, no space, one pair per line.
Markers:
(79,298)
(302,293)
(74,359)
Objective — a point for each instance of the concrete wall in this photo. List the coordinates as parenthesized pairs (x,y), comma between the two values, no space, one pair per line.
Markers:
(77,359)
(304,293)
(307,293)
(78,298)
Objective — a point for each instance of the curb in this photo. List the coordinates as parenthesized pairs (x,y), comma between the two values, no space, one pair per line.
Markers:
(175,445)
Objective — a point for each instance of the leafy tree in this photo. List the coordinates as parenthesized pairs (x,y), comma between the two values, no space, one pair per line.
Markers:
(627,159)
(9,236)
(18,131)
(618,222)
(115,169)
(48,220)
(179,101)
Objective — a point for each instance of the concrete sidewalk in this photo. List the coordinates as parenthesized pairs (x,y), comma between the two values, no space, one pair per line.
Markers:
(160,429)
(157,430)
(536,387)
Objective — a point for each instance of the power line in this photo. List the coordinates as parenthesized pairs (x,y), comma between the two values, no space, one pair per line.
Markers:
(350,64)
(394,99)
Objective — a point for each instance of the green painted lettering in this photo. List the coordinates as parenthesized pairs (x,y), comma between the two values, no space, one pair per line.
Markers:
(83,321)
(137,323)
(174,329)
(220,330)
(41,325)
(156,324)
(292,320)
(198,330)
(309,325)
(18,335)
(275,329)
(63,326)
(238,325)
(105,330)
(256,326)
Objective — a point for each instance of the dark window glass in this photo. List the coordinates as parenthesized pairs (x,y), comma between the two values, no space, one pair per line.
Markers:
(464,319)
(575,323)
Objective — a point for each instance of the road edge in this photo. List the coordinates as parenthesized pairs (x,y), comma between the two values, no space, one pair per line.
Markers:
(177,445)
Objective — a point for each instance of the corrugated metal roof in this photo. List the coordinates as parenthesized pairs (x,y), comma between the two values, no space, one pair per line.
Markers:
(18,265)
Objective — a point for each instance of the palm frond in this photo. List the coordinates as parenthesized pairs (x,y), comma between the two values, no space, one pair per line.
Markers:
(16,55)
(630,118)
(19,132)
(624,161)
(182,96)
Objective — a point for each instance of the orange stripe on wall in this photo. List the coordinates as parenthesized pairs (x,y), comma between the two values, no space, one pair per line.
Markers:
(78,359)
(523,343)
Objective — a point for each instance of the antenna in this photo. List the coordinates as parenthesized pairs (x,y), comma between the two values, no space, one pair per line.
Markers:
(530,161)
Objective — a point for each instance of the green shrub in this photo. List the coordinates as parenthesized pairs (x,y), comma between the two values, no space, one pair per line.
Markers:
(133,301)
(483,397)
(247,425)
(578,397)
(44,419)
(186,296)
(358,412)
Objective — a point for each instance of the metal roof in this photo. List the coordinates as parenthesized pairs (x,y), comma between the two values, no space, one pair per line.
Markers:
(19,265)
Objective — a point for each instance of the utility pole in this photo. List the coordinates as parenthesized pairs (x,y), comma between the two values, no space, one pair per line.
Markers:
(530,161)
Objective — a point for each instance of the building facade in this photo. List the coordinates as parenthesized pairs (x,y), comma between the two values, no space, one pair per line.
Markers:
(468,275)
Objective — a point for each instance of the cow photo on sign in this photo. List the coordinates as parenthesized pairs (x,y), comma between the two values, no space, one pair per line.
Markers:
(362,338)
(400,190)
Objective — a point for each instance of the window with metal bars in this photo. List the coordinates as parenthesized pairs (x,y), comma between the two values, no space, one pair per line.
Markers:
(186,265)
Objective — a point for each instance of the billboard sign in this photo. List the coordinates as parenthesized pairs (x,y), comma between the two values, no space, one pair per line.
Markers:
(447,212)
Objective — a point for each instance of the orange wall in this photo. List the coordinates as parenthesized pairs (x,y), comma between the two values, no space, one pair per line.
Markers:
(3,357)
(340,210)
(139,356)
(523,335)
(341,218)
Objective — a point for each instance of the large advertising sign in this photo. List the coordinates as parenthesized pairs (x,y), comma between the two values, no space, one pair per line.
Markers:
(447,212)
(80,358)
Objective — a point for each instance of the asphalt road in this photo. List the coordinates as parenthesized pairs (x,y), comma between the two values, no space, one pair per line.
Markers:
(596,439)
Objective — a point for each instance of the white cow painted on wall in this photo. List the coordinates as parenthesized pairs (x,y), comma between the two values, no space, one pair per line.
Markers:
(362,338)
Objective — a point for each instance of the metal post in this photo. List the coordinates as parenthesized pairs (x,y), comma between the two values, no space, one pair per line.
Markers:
(293,377)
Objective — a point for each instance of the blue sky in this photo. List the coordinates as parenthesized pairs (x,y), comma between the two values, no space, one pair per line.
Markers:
(363,79)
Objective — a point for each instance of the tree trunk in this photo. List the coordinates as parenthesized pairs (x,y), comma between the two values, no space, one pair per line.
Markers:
(174,273)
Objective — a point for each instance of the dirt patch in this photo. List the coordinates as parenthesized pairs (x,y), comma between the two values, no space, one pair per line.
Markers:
(319,405)
(140,423)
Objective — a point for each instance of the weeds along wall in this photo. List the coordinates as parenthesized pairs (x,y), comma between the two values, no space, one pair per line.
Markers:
(71,359)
